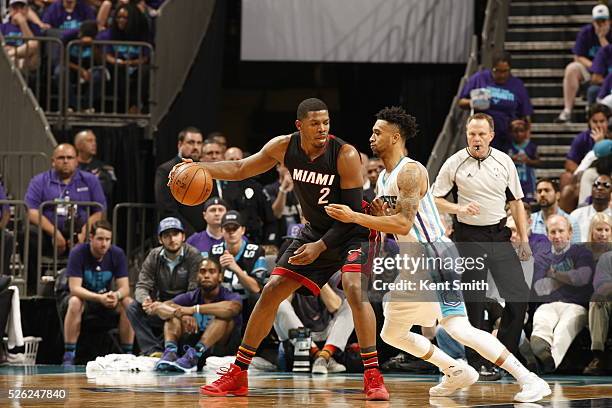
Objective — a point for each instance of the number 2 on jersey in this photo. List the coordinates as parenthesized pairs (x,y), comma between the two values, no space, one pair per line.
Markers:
(324,193)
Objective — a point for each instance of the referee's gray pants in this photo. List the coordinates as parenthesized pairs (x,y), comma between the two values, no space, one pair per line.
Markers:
(505,268)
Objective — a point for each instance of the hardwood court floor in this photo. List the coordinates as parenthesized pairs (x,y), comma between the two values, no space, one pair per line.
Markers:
(148,390)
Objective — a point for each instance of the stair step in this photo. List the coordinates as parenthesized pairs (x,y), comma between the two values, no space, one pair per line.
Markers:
(543,90)
(550,19)
(529,8)
(538,73)
(538,45)
(549,173)
(555,102)
(554,149)
(542,34)
(522,61)
(558,127)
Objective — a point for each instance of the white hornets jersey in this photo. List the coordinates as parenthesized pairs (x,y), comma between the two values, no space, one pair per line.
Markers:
(427,226)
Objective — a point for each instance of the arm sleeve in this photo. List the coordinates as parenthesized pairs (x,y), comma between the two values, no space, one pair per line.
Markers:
(575,152)
(444,182)
(580,46)
(33,196)
(525,107)
(185,299)
(121,269)
(605,87)
(514,191)
(603,271)
(469,85)
(336,235)
(599,63)
(97,194)
(75,267)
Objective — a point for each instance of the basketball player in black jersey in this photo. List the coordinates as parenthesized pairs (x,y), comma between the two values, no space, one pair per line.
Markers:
(325,170)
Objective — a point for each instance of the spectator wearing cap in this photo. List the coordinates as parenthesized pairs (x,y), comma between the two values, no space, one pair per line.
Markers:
(524,154)
(167,271)
(68,14)
(284,204)
(245,270)
(590,39)
(214,210)
(92,267)
(600,196)
(18,26)
(189,146)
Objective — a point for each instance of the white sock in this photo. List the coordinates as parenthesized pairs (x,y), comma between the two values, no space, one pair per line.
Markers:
(515,368)
(484,343)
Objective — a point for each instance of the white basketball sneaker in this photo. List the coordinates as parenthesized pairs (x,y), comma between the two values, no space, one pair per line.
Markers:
(533,389)
(459,376)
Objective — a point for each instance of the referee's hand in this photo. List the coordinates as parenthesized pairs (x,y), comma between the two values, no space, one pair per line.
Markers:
(524,251)
(470,209)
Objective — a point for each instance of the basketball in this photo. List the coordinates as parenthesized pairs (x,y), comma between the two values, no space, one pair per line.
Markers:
(191,185)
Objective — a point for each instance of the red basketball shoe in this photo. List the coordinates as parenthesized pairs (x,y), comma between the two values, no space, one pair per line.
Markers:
(374,385)
(233,381)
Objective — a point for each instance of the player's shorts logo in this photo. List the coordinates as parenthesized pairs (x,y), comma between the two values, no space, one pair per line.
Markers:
(353,255)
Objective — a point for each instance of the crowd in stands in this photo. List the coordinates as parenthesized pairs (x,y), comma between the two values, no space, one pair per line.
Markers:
(213,259)
(122,65)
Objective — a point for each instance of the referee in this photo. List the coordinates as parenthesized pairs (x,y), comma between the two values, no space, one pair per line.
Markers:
(483,180)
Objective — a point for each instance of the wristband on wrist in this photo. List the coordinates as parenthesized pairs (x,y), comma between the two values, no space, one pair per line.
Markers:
(119,295)
(197,309)
(282,190)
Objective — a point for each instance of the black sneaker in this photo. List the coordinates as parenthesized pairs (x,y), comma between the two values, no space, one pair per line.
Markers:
(489,374)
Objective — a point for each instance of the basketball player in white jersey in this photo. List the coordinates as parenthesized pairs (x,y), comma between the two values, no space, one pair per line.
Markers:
(405,207)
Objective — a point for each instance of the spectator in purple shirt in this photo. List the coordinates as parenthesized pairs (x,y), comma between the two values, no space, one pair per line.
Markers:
(64,182)
(214,210)
(92,267)
(210,312)
(601,67)
(590,39)
(126,26)
(508,98)
(68,14)
(584,142)
(564,280)
(25,54)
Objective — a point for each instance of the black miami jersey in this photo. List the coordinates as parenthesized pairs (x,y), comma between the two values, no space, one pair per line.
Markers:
(317,182)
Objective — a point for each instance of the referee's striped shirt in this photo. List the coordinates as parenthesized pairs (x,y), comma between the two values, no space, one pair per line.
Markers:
(490,182)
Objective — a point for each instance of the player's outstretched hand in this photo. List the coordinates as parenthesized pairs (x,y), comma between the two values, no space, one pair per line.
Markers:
(340,212)
(307,253)
(175,168)
(378,207)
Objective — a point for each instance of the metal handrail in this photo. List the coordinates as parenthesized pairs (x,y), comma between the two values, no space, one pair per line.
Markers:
(87,204)
(24,175)
(23,276)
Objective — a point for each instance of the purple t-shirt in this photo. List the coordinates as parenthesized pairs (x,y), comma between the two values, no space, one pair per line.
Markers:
(46,186)
(57,17)
(125,52)
(203,242)
(606,87)
(194,297)
(508,102)
(587,43)
(526,173)
(577,256)
(12,34)
(602,63)
(97,275)
(581,145)
(3,207)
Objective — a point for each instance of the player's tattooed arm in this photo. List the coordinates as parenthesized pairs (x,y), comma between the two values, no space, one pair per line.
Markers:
(409,183)
(397,222)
